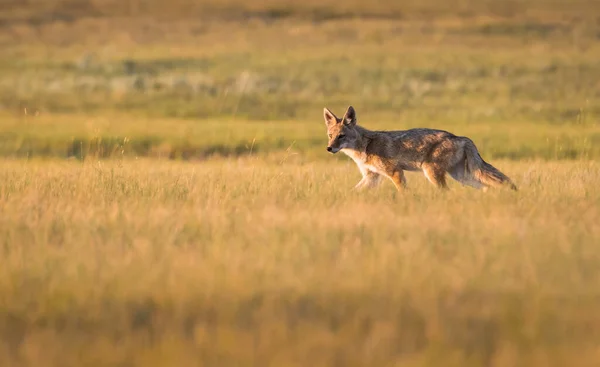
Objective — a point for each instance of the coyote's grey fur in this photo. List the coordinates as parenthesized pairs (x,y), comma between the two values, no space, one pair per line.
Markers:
(390,153)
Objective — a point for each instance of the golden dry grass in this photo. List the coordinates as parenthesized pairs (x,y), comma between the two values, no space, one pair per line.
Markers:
(274,261)
(270,260)
(44,10)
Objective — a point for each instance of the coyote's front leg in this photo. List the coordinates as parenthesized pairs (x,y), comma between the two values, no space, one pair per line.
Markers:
(370,179)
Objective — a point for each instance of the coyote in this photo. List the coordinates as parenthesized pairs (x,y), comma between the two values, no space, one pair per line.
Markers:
(390,153)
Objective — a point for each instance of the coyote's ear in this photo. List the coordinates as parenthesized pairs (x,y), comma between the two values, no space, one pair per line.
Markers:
(330,118)
(350,117)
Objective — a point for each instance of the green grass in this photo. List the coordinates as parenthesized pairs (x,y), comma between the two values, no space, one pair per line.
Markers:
(522,87)
(272,72)
(109,135)
(275,262)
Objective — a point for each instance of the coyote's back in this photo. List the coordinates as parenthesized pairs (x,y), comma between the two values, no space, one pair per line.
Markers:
(390,153)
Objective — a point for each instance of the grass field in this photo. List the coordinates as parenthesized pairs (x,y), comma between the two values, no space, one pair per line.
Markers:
(523,86)
(166,198)
(247,262)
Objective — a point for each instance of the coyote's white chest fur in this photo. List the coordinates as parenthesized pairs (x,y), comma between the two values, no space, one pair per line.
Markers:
(360,158)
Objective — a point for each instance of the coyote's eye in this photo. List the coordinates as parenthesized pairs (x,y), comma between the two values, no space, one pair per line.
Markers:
(329,136)
(341,136)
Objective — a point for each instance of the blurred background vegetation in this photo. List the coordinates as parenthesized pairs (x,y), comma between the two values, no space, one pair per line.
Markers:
(189,79)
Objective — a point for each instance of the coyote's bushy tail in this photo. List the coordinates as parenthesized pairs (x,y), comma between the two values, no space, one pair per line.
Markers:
(483,171)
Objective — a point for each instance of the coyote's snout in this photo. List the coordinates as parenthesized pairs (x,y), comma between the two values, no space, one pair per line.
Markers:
(390,153)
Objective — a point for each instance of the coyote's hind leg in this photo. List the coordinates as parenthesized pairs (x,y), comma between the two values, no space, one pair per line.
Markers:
(398,179)
(435,175)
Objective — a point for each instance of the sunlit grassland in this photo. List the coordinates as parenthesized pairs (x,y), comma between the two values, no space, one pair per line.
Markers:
(166,198)
(285,70)
(275,261)
(82,136)
(47,10)
(523,86)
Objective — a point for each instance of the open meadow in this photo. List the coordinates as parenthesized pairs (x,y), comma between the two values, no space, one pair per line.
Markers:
(245,262)
(166,198)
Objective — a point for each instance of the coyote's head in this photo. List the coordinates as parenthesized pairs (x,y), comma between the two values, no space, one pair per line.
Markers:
(341,132)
